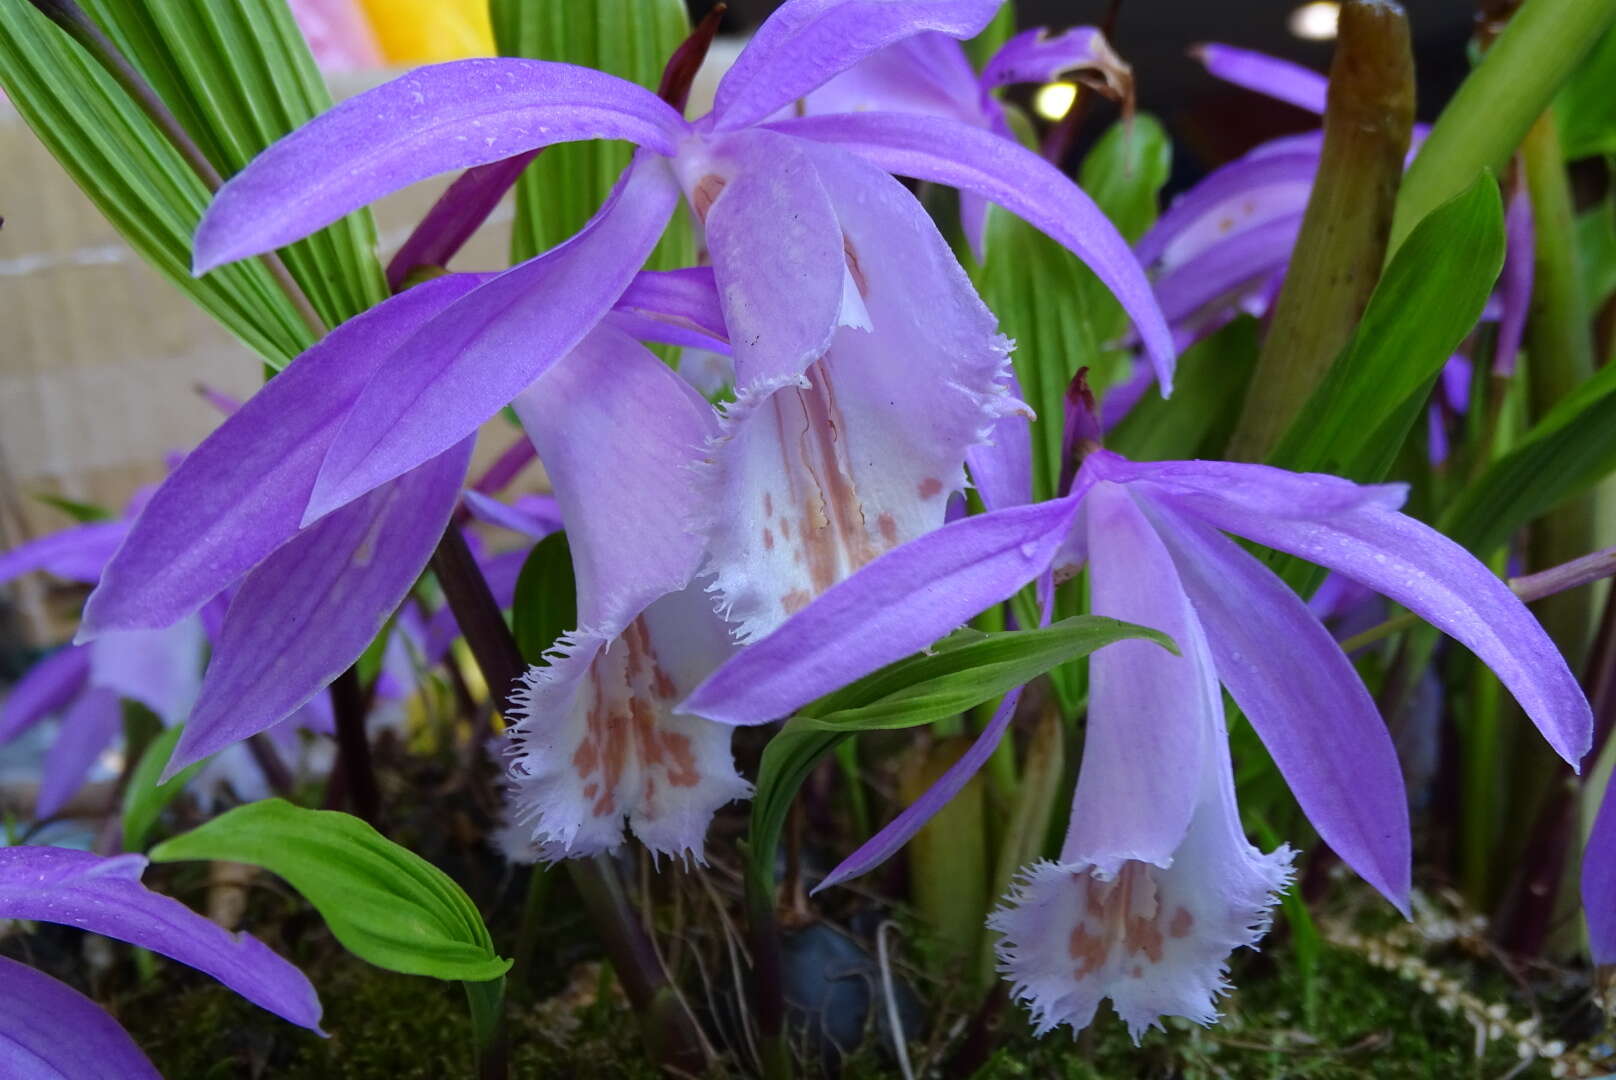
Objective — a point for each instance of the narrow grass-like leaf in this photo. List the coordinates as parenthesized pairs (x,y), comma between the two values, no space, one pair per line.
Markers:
(546,604)
(1566,453)
(1585,107)
(144,798)
(138,181)
(238,75)
(385,904)
(631,39)
(1428,299)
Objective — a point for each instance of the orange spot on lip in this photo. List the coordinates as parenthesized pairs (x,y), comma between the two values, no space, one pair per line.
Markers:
(1182,923)
(930,486)
(795,600)
(706,192)
(888,527)
(768,540)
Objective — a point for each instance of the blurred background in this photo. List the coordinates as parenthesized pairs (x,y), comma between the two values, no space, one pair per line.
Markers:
(101,357)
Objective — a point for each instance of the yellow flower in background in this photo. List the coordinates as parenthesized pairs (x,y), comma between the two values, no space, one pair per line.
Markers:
(426,31)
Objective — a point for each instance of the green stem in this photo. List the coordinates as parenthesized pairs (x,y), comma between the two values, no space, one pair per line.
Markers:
(527,935)
(1500,99)
(1342,243)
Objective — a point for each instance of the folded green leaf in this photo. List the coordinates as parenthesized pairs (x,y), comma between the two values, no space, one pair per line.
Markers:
(385,904)
(135,177)
(1585,108)
(238,75)
(144,798)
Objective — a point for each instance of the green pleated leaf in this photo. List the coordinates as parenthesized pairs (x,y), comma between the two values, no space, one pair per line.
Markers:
(385,904)
(1427,301)
(546,604)
(238,75)
(1563,455)
(137,180)
(564,187)
(1059,314)
(1208,387)
(144,798)
(965,670)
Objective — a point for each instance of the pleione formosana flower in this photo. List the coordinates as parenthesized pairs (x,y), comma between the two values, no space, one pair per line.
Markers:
(1156,883)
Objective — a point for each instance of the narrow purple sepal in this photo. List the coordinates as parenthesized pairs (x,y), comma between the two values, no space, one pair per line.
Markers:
(1599,882)
(446,116)
(344,576)
(88,727)
(105,896)
(1304,699)
(805,43)
(1314,518)
(76,554)
(457,214)
(1035,56)
(1242,261)
(950,152)
(689,296)
(50,1031)
(533,520)
(45,689)
(901,829)
(902,602)
(463,366)
(241,493)
(1258,187)
(1267,75)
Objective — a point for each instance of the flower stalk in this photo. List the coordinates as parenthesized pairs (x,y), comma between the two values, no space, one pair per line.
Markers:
(1342,244)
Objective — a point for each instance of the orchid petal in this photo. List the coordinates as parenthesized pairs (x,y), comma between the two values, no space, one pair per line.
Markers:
(50,1031)
(805,43)
(595,739)
(926,73)
(777,255)
(1037,56)
(1001,468)
(619,434)
(344,575)
(241,493)
(1242,194)
(688,296)
(1267,75)
(1599,882)
(1304,699)
(105,896)
(47,688)
(1515,283)
(437,118)
(88,727)
(838,474)
(903,601)
(535,523)
(1262,489)
(463,366)
(950,152)
(1152,715)
(1405,560)
(76,554)
(1244,259)
(161,669)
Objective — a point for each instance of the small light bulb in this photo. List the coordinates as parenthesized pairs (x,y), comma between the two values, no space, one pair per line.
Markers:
(1315,21)
(1054,100)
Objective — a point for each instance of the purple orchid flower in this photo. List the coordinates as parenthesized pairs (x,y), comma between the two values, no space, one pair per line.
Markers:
(833,282)
(231,516)
(1599,882)
(1154,822)
(1222,247)
(161,669)
(930,74)
(51,1030)
(594,740)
